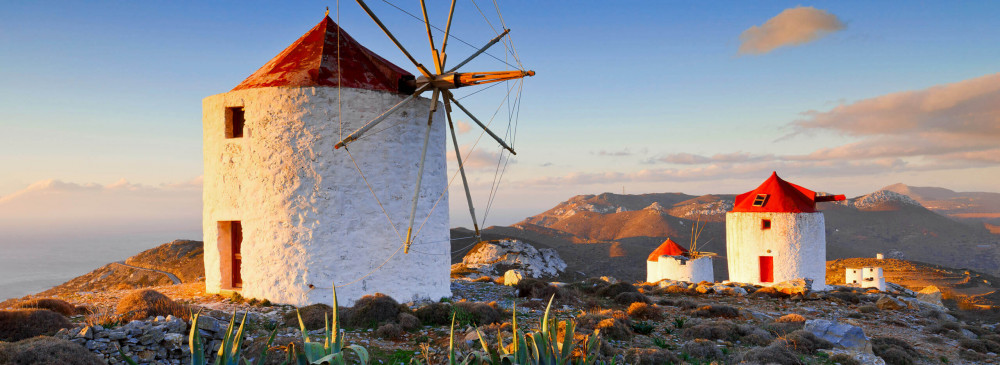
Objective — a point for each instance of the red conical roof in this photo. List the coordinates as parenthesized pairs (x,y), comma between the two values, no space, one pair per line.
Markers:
(312,61)
(776,195)
(667,248)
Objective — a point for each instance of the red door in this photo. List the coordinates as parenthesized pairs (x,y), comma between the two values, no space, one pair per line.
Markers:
(236,232)
(767,269)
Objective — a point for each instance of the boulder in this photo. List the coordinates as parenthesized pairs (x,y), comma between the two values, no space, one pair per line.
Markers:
(931,295)
(512,277)
(794,287)
(488,256)
(842,335)
(861,357)
(890,303)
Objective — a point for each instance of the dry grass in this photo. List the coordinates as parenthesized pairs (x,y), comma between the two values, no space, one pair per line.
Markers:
(46,350)
(56,305)
(702,349)
(16,325)
(776,353)
(434,314)
(371,311)
(894,351)
(614,329)
(640,356)
(389,331)
(477,313)
(408,322)
(145,303)
(716,311)
(804,342)
(613,290)
(791,317)
(314,316)
(627,298)
(644,311)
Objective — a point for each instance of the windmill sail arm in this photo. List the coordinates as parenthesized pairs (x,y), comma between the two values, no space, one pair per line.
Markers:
(481,125)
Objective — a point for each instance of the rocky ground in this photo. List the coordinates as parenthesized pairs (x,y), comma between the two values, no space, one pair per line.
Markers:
(638,323)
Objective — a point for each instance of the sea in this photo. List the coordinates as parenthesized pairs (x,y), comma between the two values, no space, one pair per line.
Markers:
(36,261)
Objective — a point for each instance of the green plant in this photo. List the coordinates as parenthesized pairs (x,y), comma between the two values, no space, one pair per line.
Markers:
(661,343)
(679,322)
(643,327)
(328,351)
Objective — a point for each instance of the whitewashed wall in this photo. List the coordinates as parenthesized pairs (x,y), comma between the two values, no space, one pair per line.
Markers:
(797,241)
(308,217)
(668,267)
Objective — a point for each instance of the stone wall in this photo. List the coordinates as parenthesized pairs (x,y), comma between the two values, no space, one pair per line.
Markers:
(309,219)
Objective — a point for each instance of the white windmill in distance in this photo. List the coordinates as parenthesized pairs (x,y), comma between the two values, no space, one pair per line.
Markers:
(439,82)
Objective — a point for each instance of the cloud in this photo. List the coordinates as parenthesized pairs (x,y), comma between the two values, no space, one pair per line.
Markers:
(479,159)
(621,153)
(791,27)
(117,207)
(957,122)
(684,158)
(462,127)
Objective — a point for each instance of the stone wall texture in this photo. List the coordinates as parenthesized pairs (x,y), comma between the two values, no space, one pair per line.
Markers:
(797,243)
(309,219)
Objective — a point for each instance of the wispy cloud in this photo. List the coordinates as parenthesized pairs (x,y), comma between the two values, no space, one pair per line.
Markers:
(693,159)
(462,127)
(791,27)
(480,158)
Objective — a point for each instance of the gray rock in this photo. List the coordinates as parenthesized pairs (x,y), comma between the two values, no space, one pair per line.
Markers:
(152,336)
(536,263)
(841,334)
(173,340)
(512,277)
(86,332)
(969,334)
(794,287)
(116,335)
(890,303)
(861,357)
(209,324)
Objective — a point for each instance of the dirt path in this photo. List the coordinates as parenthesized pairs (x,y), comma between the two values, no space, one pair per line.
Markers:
(172,277)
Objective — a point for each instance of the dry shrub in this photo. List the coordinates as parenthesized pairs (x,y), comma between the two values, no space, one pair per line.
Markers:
(589,321)
(846,297)
(783,328)
(614,329)
(145,303)
(590,286)
(484,279)
(408,322)
(644,311)
(314,316)
(686,304)
(721,330)
(461,271)
(868,309)
(974,357)
(628,298)
(56,305)
(16,325)
(804,342)
(768,292)
(702,349)
(675,289)
(716,311)
(370,311)
(389,331)
(612,291)
(980,345)
(434,314)
(776,353)
(46,350)
(791,317)
(894,351)
(479,313)
(844,359)
(641,356)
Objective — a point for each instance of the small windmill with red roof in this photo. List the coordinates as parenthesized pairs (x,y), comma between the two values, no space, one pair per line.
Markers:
(774,233)
(674,262)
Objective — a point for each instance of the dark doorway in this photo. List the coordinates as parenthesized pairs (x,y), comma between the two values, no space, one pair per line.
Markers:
(236,233)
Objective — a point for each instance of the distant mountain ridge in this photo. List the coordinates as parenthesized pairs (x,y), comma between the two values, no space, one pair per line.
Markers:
(973,206)
(591,232)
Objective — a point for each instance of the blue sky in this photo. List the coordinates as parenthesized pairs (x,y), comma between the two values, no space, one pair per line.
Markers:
(96,92)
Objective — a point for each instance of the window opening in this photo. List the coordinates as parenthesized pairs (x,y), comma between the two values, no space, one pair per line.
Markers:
(234,122)
(765,224)
(760,200)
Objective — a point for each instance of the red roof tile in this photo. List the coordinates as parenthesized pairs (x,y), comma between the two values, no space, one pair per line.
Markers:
(667,248)
(312,61)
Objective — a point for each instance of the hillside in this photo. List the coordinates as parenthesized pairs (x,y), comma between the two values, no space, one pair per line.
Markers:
(613,233)
(972,206)
(963,289)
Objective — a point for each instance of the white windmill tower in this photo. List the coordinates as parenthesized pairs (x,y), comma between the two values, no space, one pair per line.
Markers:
(288,211)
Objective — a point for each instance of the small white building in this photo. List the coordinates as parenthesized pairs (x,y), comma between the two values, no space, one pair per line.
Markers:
(286,215)
(866,277)
(775,234)
(671,261)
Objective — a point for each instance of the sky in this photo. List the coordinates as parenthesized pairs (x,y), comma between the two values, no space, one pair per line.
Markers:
(100,103)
